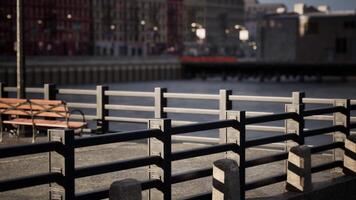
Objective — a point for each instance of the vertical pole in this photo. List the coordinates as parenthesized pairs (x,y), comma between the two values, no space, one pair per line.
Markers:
(350,155)
(161,146)
(20,56)
(295,126)
(160,103)
(226,181)
(299,169)
(344,120)
(102,125)
(63,163)
(237,135)
(49,91)
(224,105)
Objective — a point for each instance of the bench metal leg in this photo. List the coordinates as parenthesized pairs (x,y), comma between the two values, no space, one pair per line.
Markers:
(1,132)
(33,134)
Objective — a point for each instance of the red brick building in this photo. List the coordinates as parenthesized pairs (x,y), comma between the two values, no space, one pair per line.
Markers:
(57,27)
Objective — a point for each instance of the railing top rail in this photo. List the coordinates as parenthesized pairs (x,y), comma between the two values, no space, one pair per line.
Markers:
(203,126)
(191,96)
(27,149)
(318,101)
(269,118)
(77,91)
(128,93)
(271,99)
(322,111)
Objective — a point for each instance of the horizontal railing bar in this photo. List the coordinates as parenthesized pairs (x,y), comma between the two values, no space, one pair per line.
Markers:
(10,89)
(266,128)
(266,159)
(326,166)
(260,99)
(191,111)
(87,117)
(269,118)
(115,137)
(273,139)
(104,193)
(181,122)
(191,153)
(320,117)
(183,138)
(255,114)
(202,196)
(191,96)
(129,94)
(320,131)
(203,126)
(191,175)
(27,149)
(322,111)
(77,91)
(318,101)
(353,119)
(129,107)
(266,181)
(116,166)
(30,181)
(81,105)
(35,90)
(127,119)
(321,148)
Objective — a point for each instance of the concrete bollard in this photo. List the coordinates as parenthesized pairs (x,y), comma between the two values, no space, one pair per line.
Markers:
(350,155)
(127,189)
(299,169)
(226,180)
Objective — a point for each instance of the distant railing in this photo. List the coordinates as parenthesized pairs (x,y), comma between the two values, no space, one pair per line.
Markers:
(160,109)
(160,155)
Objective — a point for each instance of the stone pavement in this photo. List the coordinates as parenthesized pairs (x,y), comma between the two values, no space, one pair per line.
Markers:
(38,163)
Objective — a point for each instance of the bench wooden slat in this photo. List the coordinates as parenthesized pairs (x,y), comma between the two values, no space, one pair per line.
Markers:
(15,112)
(60,108)
(46,123)
(12,100)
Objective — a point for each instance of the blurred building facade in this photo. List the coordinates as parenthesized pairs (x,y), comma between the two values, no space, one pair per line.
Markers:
(218,19)
(255,13)
(309,35)
(57,27)
(129,27)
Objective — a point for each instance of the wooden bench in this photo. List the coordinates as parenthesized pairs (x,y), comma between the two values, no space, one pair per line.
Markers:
(37,113)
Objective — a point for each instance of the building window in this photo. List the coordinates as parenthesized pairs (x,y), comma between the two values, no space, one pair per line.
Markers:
(349,25)
(341,45)
(313,28)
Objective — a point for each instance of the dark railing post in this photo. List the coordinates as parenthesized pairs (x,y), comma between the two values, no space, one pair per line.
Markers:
(62,162)
(159,103)
(49,91)
(161,146)
(350,155)
(224,105)
(102,126)
(344,120)
(299,169)
(237,135)
(292,125)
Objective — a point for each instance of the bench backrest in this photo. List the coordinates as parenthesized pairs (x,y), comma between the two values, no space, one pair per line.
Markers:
(33,107)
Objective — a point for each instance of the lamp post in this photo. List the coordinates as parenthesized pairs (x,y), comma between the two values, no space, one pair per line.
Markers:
(20,56)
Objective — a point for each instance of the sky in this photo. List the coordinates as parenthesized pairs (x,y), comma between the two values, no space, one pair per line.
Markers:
(334,4)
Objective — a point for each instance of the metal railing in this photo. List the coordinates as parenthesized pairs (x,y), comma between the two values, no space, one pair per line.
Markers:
(101,110)
(160,155)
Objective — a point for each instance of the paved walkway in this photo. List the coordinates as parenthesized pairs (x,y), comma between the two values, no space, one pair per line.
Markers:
(28,165)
